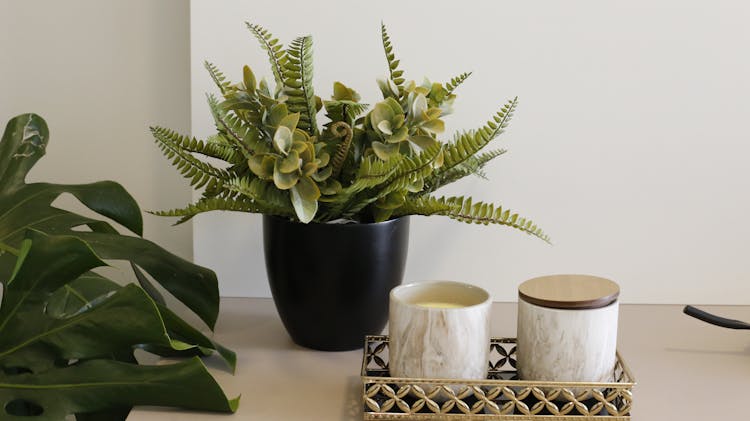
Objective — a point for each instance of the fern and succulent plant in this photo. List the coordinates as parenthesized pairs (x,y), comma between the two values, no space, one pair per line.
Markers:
(364,164)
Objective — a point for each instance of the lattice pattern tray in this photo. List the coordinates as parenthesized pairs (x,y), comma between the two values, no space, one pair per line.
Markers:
(500,397)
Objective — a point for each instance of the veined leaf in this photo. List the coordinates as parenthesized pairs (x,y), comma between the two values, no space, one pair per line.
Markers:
(298,73)
(102,384)
(272,46)
(55,310)
(396,75)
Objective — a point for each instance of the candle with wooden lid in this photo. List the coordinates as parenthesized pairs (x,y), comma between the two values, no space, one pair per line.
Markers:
(567,328)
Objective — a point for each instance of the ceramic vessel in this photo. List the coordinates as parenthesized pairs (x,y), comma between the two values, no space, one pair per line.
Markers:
(439,330)
(330,282)
(567,329)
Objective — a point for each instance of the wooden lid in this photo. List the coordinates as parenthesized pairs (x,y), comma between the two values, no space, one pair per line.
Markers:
(569,291)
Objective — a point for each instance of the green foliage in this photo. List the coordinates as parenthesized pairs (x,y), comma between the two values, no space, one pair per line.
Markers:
(364,164)
(454,82)
(464,210)
(298,74)
(395,84)
(67,334)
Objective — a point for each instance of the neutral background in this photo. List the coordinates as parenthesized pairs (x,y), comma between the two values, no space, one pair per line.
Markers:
(629,147)
(101,73)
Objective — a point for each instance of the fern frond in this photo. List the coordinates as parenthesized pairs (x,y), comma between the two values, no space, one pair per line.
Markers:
(217,146)
(248,108)
(451,86)
(298,74)
(341,130)
(218,77)
(410,170)
(346,111)
(396,74)
(426,206)
(272,46)
(262,193)
(468,144)
(246,139)
(211,204)
(372,172)
(465,210)
(472,166)
(175,147)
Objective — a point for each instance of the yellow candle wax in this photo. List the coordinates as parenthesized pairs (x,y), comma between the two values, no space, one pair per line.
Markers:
(439,304)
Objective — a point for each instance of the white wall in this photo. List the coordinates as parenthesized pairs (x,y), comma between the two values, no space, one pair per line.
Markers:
(100,73)
(629,148)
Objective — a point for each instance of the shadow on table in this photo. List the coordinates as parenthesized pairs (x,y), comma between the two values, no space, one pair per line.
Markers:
(742,353)
(352,410)
(252,328)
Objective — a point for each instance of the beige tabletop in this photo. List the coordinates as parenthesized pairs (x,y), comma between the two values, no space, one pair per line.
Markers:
(686,370)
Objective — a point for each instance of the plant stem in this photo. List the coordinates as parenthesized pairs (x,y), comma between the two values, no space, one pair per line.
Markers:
(9,249)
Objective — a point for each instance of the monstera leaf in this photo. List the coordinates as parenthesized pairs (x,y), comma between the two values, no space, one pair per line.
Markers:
(65,330)
(57,357)
(24,206)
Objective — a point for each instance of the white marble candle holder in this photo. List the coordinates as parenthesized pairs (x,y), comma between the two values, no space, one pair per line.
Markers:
(439,330)
(567,329)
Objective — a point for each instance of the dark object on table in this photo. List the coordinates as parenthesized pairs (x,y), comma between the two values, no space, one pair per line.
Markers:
(715,320)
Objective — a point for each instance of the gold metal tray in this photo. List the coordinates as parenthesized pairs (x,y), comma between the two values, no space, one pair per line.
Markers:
(500,397)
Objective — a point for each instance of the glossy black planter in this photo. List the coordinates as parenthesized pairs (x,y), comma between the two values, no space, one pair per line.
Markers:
(330,282)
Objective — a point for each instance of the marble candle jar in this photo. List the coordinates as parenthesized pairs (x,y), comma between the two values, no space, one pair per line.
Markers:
(567,328)
(439,330)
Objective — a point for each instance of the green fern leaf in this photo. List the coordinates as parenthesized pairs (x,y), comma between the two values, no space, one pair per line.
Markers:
(467,144)
(451,86)
(175,147)
(263,194)
(471,166)
(372,172)
(409,171)
(396,75)
(218,77)
(346,111)
(211,204)
(245,138)
(343,131)
(465,210)
(426,206)
(298,87)
(272,46)
(249,109)
(217,146)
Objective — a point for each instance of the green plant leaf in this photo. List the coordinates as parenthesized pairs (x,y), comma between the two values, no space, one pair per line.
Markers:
(298,75)
(193,285)
(39,328)
(24,143)
(375,157)
(272,46)
(305,199)
(385,151)
(97,385)
(283,139)
(54,308)
(396,75)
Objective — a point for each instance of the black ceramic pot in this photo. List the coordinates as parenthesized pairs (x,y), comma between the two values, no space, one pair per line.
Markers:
(330,282)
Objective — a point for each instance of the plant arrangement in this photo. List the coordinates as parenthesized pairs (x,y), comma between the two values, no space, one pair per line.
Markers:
(68,334)
(365,164)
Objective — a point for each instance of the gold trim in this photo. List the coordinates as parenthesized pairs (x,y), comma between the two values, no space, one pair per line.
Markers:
(500,397)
